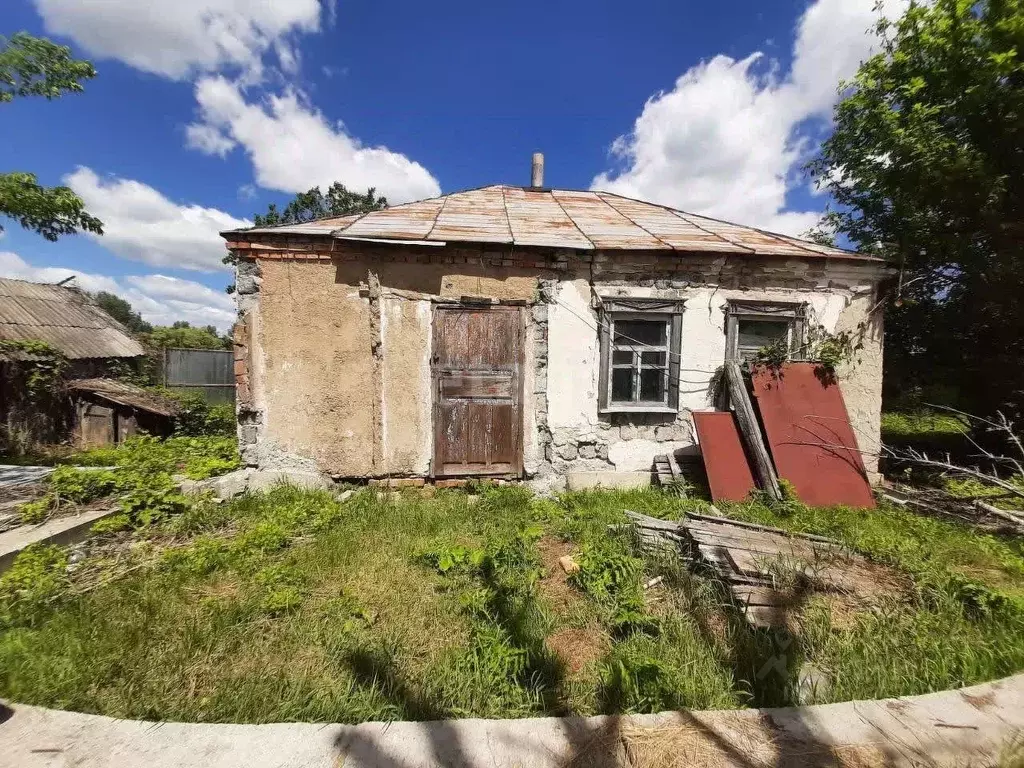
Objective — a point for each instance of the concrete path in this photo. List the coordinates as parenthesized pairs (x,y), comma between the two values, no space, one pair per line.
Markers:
(61,531)
(12,474)
(969,727)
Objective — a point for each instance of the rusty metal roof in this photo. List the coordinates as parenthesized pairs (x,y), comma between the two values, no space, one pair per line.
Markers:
(129,395)
(63,317)
(555,218)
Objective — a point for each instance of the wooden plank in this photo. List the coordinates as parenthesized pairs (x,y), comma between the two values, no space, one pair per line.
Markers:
(652,522)
(758,527)
(759,548)
(757,595)
(477,385)
(750,430)
(754,539)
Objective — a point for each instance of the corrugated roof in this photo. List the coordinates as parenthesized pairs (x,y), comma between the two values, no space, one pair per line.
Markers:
(65,318)
(122,393)
(556,218)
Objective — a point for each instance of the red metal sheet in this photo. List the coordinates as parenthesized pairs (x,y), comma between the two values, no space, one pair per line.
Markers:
(726,462)
(810,436)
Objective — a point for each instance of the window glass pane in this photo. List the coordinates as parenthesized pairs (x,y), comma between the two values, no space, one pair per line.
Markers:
(652,384)
(754,334)
(653,358)
(640,332)
(622,357)
(622,385)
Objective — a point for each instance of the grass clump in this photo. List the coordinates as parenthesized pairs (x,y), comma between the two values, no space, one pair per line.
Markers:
(34,581)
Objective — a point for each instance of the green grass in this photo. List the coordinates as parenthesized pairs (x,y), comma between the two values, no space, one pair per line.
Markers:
(292,606)
(910,424)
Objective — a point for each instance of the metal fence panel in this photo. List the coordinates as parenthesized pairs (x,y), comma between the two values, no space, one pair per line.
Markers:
(209,371)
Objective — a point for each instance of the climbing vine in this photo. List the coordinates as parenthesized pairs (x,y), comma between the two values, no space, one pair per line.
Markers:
(43,370)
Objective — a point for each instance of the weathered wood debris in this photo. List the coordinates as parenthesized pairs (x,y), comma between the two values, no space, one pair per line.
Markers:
(770,572)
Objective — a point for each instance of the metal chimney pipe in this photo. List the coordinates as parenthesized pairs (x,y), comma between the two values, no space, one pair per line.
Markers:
(537,175)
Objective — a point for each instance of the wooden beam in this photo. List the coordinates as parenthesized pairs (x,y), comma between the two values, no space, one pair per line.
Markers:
(750,430)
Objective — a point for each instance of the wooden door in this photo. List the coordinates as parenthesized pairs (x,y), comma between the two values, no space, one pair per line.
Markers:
(477,373)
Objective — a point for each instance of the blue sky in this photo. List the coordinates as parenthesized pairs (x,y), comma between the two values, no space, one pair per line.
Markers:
(206,110)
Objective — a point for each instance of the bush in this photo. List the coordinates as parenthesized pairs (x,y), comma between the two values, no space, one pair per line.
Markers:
(36,578)
(82,485)
(197,417)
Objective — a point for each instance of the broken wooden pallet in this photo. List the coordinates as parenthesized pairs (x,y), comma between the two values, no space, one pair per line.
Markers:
(750,558)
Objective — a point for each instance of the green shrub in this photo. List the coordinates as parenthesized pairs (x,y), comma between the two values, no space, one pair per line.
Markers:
(196,417)
(35,580)
(112,524)
(34,512)
(82,485)
(606,572)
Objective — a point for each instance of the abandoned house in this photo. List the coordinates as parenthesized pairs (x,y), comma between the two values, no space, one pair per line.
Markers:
(81,405)
(522,331)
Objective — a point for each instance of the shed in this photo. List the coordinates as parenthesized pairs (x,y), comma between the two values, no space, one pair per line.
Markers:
(92,342)
(523,332)
(108,411)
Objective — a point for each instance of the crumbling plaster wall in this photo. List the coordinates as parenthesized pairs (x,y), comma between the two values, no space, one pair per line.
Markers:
(338,357)
(585,440)
(334,359)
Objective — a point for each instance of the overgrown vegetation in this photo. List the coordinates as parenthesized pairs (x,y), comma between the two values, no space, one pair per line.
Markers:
(292,605)
(140,479)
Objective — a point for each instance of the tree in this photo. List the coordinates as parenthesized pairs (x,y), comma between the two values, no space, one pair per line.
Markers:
(314,204)
(34,66)
(122,311)
(182,334)
(926,168)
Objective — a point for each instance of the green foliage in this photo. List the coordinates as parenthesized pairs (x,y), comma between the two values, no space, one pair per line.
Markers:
(314,204)
(184,335)
(43,371)
(49,211)
(122,311)
(35,512)
(81,485)
(150,498)
(196,457)
(111,525)
(605,572)
(635,679)
(923,169)
(34,581)
(35,66)
(919,423)
(198,417)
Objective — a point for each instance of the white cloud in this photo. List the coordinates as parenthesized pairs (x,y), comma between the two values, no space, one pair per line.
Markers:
(726,141)
(158,298)
(293,146)
(207,139)
(141,224)
(180,38)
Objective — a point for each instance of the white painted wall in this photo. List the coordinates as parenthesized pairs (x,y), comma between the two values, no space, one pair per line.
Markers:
(574,360)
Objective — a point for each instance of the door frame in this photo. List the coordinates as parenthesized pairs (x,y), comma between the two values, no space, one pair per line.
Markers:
(518,385)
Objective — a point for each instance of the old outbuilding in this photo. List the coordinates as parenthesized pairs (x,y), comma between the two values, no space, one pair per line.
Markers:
(524,332)
(58,350)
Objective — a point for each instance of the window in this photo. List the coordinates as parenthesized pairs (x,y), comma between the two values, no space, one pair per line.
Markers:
(752,326)
(640,355)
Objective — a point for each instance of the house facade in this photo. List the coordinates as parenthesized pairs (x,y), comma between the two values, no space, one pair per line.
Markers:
(523,332)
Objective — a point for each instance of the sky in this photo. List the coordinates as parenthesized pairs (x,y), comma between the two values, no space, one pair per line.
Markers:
(205,111)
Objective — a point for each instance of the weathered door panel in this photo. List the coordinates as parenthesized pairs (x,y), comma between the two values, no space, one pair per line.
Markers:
(95,425)
(477,370)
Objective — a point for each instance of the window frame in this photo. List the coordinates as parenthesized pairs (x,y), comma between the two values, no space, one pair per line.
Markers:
(669,312)
(793,313)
